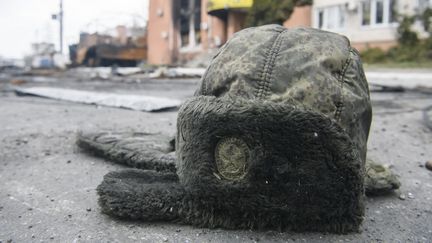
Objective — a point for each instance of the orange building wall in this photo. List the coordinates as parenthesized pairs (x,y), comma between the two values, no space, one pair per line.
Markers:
(162,38)
(301,16)
(205,34)
(163,34)
(214,31)
(219,32)
(236,22)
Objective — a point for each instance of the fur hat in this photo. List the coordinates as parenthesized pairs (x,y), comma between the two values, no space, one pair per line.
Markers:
(275,137)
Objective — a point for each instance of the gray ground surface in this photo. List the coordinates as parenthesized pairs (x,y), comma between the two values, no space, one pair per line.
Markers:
(47,186)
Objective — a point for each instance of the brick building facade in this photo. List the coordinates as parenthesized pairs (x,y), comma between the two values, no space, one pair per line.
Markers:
(180,29)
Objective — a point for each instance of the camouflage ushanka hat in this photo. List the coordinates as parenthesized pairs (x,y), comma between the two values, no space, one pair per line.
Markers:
(275,137)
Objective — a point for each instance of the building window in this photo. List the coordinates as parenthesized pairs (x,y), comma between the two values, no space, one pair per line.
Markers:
(393,11)
(366,12)
(330,18)
(190,20)
(320,19)
(378,12)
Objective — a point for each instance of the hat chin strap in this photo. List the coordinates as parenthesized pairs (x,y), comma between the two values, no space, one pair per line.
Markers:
(141,194)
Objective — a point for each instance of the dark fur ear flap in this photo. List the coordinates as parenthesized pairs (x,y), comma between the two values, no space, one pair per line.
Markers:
(139,150)
(261,164)
(141,194)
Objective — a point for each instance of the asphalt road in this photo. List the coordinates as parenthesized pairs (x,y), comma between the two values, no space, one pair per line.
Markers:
(47,186)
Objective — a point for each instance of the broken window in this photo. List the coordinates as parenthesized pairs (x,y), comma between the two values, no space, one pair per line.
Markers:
(190,20)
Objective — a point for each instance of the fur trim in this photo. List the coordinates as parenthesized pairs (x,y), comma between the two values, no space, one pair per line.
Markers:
(141,194)
(304,172)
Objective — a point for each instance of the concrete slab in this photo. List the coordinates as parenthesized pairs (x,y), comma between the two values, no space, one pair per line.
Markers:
(127,101)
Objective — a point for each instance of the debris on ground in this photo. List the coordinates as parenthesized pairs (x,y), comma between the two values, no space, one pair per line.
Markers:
(379,179)
(396,78)
(127,101)
(202,60)
(17,81)
(103,72)
(386,88)
(164,72)
(399,88)
(391,82)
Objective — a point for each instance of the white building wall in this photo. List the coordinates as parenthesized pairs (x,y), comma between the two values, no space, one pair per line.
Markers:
(352,14)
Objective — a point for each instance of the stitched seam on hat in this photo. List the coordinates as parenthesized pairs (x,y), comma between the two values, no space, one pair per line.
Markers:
(264,81)
(204,85)
(340,103)
(262,73)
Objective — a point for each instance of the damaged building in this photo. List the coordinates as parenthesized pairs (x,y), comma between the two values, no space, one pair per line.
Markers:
(127,47)
(179,30)
(182,29)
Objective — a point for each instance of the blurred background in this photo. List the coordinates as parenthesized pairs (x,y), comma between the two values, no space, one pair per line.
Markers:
(127,65)
(60,34)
